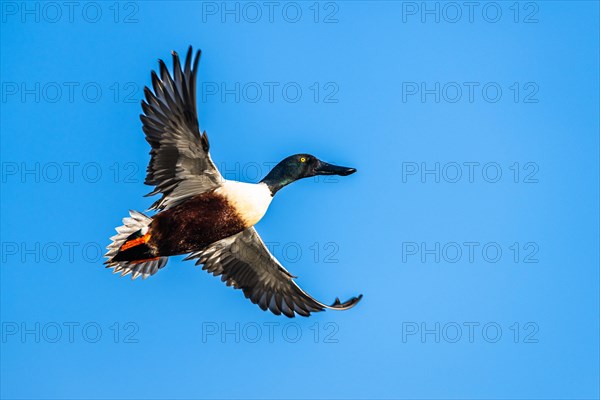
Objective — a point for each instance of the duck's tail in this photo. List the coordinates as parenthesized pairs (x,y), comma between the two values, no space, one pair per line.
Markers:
(130,251)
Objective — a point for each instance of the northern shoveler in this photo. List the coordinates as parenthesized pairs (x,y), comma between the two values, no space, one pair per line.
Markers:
(202,214)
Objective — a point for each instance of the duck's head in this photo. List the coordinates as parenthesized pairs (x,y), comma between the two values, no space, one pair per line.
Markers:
(300,166)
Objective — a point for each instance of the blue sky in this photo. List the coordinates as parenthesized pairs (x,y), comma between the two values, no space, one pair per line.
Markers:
(471,226)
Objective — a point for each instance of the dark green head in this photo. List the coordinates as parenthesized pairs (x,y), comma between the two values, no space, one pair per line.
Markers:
(300,166)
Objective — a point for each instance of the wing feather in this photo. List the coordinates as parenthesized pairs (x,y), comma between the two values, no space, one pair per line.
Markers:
(244,262)
(180,163)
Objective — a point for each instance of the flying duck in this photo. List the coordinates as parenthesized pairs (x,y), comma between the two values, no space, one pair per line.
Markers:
(202,214)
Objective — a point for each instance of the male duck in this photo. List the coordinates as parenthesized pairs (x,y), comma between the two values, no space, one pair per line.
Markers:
(202,213)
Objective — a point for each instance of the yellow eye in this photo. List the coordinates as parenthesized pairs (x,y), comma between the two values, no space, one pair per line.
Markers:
(302,159)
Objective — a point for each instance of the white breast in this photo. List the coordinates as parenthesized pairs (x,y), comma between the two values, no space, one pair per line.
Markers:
(250,200)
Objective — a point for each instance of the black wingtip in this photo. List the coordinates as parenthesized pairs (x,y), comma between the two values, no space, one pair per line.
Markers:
(163,68)
(196,59)
(338,305)
(205,142)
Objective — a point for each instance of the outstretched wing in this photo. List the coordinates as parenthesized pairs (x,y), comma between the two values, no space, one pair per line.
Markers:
(180,164)
(244,262)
